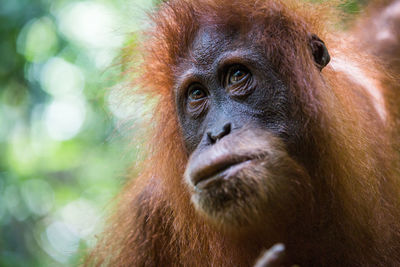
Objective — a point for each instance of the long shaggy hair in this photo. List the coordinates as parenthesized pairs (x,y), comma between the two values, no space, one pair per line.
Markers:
(349,127)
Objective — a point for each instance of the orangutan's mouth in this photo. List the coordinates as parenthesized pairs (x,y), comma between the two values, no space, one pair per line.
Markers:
(222,168)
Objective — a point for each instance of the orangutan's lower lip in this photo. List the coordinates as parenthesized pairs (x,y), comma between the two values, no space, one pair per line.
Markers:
(222,171)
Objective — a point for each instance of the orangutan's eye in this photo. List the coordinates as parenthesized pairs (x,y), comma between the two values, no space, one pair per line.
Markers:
(237,74)
(196,92)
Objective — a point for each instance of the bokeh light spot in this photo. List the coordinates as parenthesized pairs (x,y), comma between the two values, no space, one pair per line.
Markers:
(38,40)
(64,118)
(90,24)
(81,217)
(60,77)
(61,241)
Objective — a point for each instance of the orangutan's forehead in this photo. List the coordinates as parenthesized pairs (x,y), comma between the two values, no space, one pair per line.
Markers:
(208,44)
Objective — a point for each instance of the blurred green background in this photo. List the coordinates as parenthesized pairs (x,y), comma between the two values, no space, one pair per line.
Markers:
(65,132)
(67,135)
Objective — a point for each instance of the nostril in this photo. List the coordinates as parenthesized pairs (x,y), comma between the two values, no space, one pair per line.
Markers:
(211,138)
(215,136)
(226,129)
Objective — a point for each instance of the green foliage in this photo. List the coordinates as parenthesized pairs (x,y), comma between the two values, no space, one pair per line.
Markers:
(62,154)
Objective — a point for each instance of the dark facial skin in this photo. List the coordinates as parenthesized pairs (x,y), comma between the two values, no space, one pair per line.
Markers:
(234,112)
(226,85)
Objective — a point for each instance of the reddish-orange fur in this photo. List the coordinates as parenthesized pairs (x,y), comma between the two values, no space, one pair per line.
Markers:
(354,172)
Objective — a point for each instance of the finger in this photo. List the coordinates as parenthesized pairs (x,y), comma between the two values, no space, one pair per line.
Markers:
(273,257)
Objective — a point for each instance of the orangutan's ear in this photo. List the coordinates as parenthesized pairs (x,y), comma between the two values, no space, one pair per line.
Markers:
(319,52)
